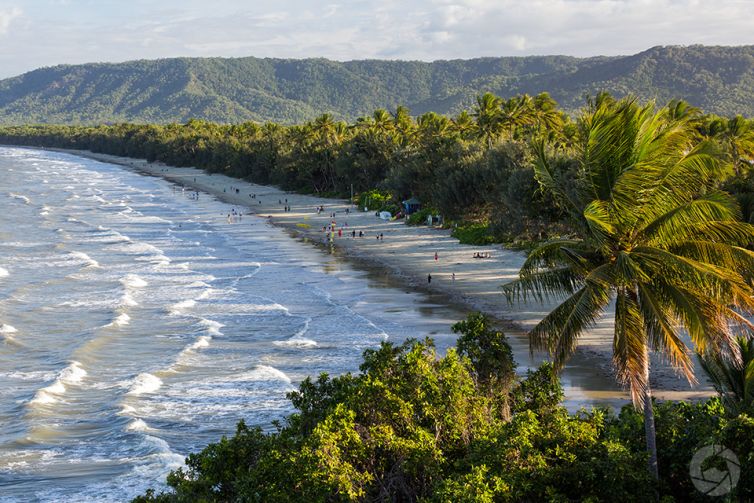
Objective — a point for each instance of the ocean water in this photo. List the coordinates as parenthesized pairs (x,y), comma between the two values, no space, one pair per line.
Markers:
(137,324)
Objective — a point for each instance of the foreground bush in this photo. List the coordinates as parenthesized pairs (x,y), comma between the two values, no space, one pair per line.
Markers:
(415,427)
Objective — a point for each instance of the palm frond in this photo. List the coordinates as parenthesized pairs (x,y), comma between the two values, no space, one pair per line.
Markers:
(660,325)
(630,355)
(558,332)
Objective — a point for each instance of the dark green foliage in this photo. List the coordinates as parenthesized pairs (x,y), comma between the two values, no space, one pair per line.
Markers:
(716,79)
(487,350)
(473,234)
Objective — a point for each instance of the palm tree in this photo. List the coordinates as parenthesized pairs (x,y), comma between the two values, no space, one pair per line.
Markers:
(651,233)
(488,118)
(736,135)
(518,112)
(734,381)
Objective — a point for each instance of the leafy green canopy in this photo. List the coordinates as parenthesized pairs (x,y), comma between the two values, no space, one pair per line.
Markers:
(415,427)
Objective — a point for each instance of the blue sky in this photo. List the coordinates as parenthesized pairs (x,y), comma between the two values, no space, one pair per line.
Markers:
(35,33)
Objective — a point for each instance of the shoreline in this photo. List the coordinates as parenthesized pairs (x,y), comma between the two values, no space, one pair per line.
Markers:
(406,255)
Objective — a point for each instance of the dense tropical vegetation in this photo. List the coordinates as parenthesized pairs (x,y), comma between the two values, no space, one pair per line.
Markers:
(413,426)
(718,79)
(475,168)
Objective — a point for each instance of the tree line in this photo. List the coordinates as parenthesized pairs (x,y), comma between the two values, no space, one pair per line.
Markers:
(475,168)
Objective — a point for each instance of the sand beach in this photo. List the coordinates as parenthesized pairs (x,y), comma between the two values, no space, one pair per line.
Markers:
(412,253)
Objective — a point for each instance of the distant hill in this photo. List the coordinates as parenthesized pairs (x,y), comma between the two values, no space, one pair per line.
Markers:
(716,79)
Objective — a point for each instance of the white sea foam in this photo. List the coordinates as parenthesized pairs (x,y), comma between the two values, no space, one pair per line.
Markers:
(34,375)
(145,383)
(20,197)
(126,410)
(165,455)
(127,300)
(213,327)
(184,356)
(3,272)
(138,425)
(297,342)
(133,281)
(83,257)
(180,307)
(7,329)
(120,320)
(201,342)
(265,373)
(71,375)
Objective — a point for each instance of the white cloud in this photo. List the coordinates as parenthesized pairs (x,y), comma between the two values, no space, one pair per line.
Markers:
(6,17)
(53,33)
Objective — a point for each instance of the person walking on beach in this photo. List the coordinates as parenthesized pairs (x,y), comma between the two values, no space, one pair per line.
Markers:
(429,279)
(453,277)
(436,256)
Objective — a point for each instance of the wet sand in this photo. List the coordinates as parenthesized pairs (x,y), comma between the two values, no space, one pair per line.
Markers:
(406,255)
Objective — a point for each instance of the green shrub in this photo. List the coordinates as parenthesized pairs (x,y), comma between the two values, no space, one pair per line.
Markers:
(413,426)
(374,200)
(474,234)
(420,217)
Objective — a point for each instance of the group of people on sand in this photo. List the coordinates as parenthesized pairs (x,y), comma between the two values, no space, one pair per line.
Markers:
(482,255)
(234,216)
(286,208)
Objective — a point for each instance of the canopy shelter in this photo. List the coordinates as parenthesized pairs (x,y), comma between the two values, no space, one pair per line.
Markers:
(411,205)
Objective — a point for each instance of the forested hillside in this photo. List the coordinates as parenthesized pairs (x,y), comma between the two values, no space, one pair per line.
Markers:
(716,79)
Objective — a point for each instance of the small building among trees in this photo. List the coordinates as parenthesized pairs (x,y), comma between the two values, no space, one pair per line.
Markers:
(411,205)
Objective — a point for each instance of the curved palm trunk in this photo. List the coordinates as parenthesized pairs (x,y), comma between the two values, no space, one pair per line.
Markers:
(649,423)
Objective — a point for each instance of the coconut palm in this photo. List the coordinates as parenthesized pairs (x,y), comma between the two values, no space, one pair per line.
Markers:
(488,118)
(736,136)
(734,381)
(653,235)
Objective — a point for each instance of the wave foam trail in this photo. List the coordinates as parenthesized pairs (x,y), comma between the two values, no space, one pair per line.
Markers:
(201,342)
(298,340)
(120,320)
(3,272)
(83,257)
(145,383)
(266,373)
(180,307)
(213,327)
(71,375)
(171,459)
(133,281)
(127,300)
(20,197)
(138,425)
(7,329)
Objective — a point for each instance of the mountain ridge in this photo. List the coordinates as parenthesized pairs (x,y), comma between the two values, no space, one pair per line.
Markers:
(717,79)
